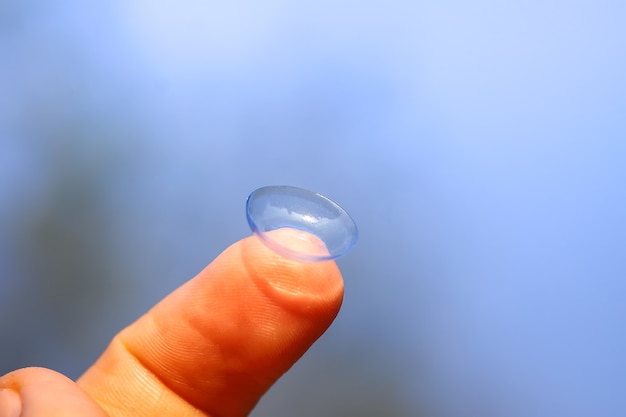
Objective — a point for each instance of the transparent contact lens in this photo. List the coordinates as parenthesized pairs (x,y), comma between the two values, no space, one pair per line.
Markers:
(300,224)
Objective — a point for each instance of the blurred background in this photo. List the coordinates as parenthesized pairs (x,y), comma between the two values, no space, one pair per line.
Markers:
(480,147)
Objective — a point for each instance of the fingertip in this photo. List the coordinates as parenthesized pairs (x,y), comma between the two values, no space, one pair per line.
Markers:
(311,287)
(43,392)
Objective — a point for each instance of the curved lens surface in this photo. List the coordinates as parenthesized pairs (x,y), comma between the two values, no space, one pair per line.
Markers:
(306,213)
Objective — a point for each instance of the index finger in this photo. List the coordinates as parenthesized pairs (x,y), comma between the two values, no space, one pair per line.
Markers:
(219,342)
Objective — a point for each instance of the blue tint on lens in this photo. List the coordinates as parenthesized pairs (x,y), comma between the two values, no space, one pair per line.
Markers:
(277,207)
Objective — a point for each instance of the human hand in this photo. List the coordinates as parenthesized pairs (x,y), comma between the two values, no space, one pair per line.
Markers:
(211,348)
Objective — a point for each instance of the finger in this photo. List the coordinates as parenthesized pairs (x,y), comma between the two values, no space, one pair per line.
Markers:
(36,392)
(217,343)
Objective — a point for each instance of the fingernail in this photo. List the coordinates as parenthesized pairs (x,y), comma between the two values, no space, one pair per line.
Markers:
(10,403)
(300,244)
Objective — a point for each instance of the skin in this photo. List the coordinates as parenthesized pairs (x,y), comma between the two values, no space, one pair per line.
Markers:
(211,348)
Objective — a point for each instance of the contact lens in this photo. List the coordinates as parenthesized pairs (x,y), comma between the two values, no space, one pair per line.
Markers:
(300,224)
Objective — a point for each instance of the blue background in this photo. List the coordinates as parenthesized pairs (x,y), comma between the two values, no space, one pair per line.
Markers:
(480,147)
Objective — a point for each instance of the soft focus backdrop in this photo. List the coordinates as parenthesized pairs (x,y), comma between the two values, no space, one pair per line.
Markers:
(480,146)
